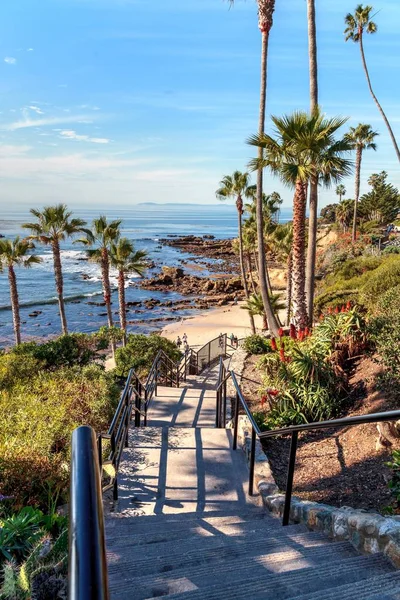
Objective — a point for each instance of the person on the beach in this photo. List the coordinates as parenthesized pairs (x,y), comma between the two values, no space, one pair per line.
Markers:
(184,338)
(221,340)
(236,341)
(232,339)
(179,342)
(235,301)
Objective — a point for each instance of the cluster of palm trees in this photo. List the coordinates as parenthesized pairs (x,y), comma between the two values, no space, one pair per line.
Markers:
(105,246)
(306,155)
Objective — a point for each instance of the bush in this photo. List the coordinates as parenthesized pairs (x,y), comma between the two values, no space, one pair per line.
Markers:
(76,349)
(140,352)
(384,330)
(257,344)
(391,250)
(37,419)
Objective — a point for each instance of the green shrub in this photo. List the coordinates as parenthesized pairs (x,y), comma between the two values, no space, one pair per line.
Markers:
(37,417)
(391,250)
(140,352)
(14,369)
(384,330)
(76,349)
(257,344)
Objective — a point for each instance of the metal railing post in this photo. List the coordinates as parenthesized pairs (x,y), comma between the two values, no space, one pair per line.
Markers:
(252,460)
(177,375)
(217,410)
(224,402)
(127,419)
(236,422)
(289,482)
(114,463)
(100,453)
(137,404)
(145,407)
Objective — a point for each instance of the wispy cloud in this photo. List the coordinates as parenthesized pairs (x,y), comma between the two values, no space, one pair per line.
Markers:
(29,49)
(36,109)
(25,123)
(10,60)
(72,135)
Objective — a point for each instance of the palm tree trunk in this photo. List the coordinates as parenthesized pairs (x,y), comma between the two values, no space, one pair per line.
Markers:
(396,147)
(122,304)
(312,249)
(357,191)
(265,323)
(59,284)
(105,276)
(289,289)
(253,285)
(265,27)
(14,304)
(313,219)
(241,258)
(299,267)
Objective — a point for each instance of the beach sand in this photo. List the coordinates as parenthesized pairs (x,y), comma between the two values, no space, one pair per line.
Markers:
(207,325)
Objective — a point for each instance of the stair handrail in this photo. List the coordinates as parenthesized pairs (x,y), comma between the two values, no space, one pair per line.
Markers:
(292,430)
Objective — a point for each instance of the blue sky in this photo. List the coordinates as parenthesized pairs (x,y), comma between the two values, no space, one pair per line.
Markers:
(127,101)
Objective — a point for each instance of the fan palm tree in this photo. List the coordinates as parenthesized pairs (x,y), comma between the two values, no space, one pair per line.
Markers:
(283,236)
(356,25)
(54,225)
(255,306)
(266,10)
(16,254)
(304,149)
(102,235)
(361,138)
(340,191)
(126,259)
(236,186)
(344,213)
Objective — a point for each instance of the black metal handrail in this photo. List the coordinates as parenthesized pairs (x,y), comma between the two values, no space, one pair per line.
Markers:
(293,431)
(87,573)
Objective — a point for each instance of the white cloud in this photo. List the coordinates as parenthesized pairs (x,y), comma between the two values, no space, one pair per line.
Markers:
(36,109)
(29,50)
(72,135)
(8,151)
(10,60)
(27,122)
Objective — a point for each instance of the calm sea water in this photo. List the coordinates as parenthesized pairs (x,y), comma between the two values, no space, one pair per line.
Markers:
(145,225)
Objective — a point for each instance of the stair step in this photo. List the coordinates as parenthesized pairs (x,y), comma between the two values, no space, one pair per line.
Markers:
(372,588)
(128,536)
(281,586)
(159,558)
(228,571)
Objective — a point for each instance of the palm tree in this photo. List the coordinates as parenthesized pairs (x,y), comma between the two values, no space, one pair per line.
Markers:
(340,191)
(255,306)
(356,25)
(54,225)
(344,213)
(361,138)
(15,254)
(304,149)
(126,260)
(313,213)
(236,186)
(102,235)
(283,236)
(266,10)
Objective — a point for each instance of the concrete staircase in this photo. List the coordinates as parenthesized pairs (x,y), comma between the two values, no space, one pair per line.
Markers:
(185,527)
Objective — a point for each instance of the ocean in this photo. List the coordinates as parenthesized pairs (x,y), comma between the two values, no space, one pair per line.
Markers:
(144,224)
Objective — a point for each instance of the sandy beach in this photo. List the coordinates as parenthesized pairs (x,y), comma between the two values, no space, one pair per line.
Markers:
(209,324)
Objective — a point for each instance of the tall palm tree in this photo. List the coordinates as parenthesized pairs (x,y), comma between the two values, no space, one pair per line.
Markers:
(126,260)
(102,235)
(340,191)
(356,25)
(54,225)
(255,306)
(266,10)
(313,213)
(344,213)
(361,138)
(16,254)
(236,186)
(304,148)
